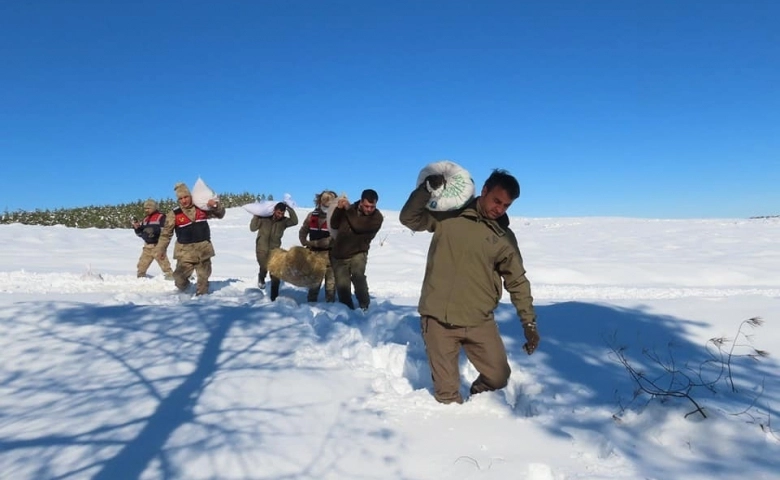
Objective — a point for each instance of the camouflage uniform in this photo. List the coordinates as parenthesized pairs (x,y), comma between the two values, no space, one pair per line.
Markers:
(149,230)
(315,236)
(193,249)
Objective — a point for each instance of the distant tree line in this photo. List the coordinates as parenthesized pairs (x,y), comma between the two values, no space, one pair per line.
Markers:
(111,216)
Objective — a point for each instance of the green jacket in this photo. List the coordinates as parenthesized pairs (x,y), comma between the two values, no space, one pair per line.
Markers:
(354,230)
(468,256)
(270,231)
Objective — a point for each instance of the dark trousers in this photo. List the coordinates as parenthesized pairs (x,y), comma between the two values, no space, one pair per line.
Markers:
(262,262)
(351,271)
(484,349)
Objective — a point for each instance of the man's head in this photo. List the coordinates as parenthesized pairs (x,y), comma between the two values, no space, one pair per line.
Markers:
(279,210)
(498,193)
(368,200)
(183,195)
(150,206)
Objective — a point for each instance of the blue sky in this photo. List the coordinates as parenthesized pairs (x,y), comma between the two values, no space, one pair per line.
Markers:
(648,109)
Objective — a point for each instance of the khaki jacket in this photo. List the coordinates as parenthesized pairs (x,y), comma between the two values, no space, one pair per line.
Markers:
(355,230)
(468,257)
(270,231)
(191,252)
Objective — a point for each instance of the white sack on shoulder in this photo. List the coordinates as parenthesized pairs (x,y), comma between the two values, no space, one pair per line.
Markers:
(289,201)
(201,194)
(261,209)
(458,190)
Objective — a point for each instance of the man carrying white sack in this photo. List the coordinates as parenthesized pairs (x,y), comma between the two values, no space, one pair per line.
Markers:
(472,249)
(270,230)
(193,249)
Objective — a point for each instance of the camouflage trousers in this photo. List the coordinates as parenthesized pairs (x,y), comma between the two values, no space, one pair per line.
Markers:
(330,280)
(351,271)
(147,256)
(483,347)
(181,276)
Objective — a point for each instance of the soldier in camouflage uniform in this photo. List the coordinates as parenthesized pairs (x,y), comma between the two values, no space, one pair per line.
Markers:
(315,236)
(193,249)
(149,230)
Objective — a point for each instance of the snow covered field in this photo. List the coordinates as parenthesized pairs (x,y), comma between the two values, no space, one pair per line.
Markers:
(106,376)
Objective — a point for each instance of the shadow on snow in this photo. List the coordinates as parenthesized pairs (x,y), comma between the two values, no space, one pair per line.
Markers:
(62,390)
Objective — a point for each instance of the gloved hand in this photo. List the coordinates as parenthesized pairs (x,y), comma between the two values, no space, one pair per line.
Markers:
(435,182)
(531,337)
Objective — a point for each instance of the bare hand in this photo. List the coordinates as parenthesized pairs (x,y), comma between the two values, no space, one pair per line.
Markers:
(343,203)
(212,202)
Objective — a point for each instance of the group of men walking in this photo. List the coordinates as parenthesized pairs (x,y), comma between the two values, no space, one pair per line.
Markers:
(345,253)
(472,251)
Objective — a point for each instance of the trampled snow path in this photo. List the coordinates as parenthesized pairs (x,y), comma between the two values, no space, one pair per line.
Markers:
(21,282)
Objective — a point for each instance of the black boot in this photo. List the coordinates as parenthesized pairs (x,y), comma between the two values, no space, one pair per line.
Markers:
(274,288)
(260,280)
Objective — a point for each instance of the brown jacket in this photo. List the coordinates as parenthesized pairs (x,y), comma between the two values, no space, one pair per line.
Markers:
(355,230)
(191,252)
(468,257)
(270,231)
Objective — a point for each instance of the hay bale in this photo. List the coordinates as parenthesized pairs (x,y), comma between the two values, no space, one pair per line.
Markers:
(298,266)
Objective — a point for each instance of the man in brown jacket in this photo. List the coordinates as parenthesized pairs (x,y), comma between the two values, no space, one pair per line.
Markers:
(193,249)
(471,251)
(355,225)
(269,236)
(315,235)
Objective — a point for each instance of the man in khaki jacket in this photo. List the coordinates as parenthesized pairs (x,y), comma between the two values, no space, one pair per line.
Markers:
(193,249)
(270,231)
(471,251)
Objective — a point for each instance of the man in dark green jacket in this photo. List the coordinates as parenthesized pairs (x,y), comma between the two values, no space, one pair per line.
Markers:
(270,231)
(355,225)
(470,253)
